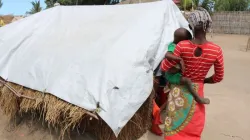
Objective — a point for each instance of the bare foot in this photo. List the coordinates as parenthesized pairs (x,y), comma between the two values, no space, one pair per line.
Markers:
(203,101)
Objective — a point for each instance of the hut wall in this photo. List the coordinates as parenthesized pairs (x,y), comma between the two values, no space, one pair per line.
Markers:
(231,22)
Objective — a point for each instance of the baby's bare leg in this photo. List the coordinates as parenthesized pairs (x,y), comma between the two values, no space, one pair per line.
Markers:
(197,98)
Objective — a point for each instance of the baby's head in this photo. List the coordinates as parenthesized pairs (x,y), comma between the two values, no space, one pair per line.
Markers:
(181,34)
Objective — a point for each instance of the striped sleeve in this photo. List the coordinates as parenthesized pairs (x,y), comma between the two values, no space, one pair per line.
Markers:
(219,68)
(166,64)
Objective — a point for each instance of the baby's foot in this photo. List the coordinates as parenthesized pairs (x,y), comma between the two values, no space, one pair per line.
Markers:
(203,101)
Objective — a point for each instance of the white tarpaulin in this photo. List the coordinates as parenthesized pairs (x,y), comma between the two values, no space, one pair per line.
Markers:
(80,53)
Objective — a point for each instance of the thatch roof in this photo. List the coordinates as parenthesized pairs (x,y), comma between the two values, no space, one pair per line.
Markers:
(18,100)
(17,18)
(7,18)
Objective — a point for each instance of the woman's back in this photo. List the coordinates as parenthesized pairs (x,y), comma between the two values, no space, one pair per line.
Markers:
(198,67)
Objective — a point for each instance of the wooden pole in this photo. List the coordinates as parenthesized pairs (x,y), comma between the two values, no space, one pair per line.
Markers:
(248,44)
(240,21)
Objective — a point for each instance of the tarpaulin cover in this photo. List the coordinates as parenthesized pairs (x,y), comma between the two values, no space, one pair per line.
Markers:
(90,54)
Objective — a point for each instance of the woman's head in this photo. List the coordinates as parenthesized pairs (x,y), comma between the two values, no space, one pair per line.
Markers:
(200,20)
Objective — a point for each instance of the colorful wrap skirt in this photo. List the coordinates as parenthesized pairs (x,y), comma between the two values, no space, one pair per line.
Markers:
(185,118)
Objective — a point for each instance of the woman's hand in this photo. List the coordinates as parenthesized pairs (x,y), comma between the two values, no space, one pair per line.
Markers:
(209,80)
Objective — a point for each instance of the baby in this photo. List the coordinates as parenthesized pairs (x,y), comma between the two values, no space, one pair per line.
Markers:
(174,75)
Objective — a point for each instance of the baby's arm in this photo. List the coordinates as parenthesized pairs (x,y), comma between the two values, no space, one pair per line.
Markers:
(166,64)
(171,57)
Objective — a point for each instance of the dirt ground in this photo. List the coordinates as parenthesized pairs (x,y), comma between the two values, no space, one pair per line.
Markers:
(227,116)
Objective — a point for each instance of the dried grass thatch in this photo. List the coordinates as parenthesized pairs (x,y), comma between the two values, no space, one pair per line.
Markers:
(8,101)
(60,114)
(16,18)
(7,18)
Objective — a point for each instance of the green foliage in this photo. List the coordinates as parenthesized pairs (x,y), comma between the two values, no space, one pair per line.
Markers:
(232,5)
(1,3)
(207,4)
(186,5)
(196,3)
(36,7)
(50,3)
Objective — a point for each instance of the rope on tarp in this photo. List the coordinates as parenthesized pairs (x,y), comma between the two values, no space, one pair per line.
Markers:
(17,93)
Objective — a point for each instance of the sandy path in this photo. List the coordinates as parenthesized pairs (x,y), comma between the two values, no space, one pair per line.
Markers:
(227,115)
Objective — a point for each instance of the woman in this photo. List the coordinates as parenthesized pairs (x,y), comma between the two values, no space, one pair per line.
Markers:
(185,118)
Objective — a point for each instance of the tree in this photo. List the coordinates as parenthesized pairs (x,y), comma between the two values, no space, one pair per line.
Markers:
(36,7)
(232,5)
(186,4)
(208,5)
(1,3)
(189,4)
(196,3)
(50,3)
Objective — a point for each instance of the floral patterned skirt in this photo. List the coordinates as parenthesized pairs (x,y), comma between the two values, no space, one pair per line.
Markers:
(185,118)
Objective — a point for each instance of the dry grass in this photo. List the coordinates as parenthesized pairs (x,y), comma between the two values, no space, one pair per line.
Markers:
(7,18)
(8,101)
(60,114)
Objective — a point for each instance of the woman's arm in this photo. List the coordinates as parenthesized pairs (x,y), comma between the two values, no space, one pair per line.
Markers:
(218,70)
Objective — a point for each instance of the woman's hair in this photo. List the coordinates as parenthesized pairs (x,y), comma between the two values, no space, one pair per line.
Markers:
(200,17)
(189,35)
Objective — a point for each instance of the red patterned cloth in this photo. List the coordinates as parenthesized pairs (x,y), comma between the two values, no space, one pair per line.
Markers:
(193,130)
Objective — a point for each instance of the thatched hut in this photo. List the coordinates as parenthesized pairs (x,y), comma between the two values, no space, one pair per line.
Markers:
(16,100)
(6,18)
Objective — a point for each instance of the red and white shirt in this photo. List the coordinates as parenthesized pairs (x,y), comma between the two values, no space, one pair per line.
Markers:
(198,67)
